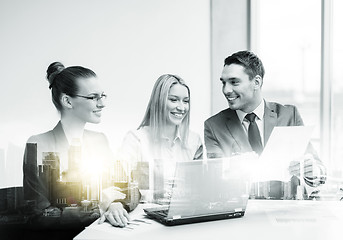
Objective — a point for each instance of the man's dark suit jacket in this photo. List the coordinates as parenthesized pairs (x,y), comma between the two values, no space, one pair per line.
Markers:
(95,147)
(224,134)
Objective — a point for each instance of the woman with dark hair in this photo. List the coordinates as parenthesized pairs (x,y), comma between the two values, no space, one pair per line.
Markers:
(162,138)
(81,154)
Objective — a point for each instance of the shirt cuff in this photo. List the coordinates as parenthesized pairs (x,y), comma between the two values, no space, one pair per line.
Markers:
(110,195)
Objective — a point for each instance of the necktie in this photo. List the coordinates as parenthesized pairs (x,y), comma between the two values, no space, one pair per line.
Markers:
(254,134)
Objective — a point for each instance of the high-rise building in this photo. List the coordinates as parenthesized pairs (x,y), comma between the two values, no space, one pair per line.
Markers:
(31,165)
(52,162)
(14,156)
(2,168)
(276,190)
(14,197)
(3,200)
(119,174)
(44,176)
(74,161)
(11,199)
(52,159)
(31,156)
(68,193)
(287,187)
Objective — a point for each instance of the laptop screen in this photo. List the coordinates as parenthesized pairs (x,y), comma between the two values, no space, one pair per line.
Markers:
(209,187)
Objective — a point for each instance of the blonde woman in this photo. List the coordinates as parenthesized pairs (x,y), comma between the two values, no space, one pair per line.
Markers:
(162,138)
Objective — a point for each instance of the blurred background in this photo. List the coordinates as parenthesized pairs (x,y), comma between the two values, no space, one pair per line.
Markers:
(130,43)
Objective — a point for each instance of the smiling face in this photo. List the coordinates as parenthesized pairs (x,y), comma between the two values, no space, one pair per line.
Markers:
(88,110)
(240,92)
(177,104)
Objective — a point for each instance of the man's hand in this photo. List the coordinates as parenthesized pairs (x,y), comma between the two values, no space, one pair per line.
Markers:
(116,215)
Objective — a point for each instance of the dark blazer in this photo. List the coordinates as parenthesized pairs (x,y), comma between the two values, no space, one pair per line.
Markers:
(95,147)
(224,134)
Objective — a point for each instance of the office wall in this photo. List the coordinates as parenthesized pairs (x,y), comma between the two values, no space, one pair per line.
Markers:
(128,43)
(230,28)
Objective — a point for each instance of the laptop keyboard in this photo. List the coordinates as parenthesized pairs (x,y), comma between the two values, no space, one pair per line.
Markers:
(162,213)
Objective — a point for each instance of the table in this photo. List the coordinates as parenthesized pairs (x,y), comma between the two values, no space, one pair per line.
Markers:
(264,219)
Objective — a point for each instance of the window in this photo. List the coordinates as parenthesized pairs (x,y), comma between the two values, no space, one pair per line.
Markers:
(300,41)
(337,89)
(286,35)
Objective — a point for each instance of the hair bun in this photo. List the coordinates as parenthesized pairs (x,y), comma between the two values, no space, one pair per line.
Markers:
(52,71)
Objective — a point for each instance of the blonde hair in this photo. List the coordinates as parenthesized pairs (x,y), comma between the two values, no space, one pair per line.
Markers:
(156,113)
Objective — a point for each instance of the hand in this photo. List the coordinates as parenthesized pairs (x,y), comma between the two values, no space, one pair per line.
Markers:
(116,215)
(52,211)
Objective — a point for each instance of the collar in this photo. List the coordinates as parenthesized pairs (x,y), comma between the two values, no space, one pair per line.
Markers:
(60,137)
(70,141)
(177,137)
(259,111)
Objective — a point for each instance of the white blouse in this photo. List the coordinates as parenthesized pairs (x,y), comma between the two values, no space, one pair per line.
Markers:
(152,164)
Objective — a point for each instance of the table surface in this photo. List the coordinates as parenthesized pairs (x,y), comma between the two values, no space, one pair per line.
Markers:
(264,219)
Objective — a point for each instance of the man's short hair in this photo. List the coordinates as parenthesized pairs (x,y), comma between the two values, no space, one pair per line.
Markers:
(252,64)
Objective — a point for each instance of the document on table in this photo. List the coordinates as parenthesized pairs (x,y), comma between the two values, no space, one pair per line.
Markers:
(285,144)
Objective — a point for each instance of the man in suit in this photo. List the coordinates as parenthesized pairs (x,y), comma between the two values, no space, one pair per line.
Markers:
(226,133)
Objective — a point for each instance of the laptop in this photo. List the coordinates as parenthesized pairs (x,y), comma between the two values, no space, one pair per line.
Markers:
(205,190)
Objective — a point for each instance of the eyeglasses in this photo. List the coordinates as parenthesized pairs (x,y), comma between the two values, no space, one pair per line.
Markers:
(95,97)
